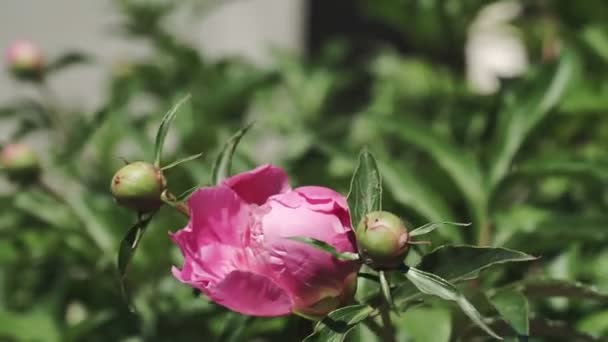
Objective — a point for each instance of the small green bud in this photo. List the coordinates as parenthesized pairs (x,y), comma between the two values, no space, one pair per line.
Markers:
(20,162)
(138,186)
(382,239)
(25,60)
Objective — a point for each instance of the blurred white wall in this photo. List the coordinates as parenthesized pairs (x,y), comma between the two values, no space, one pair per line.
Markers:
(244,27)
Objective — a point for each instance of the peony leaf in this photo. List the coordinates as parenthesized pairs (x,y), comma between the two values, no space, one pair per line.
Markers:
(429,227)
(161,134)
(458,263)
(68,59)
(459,163)
(128,245)
(365,193)
(338,323)
(181,161)
(516,122)
(513,307)
(223,163)
(559,288)
(186,194)
(431,284)
(324,246)
(386,288)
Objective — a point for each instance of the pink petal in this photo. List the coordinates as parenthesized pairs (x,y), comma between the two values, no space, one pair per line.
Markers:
(323,199)
(251,294)
(305,271)
(209,264)
(321,195)
(217,215)
(257,185)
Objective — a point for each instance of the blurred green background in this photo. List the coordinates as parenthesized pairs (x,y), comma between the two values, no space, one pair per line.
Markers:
(480,111)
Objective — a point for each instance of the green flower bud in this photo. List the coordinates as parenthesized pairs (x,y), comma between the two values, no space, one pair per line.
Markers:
(20,162)
(138,186)
(382,239)
(25,60)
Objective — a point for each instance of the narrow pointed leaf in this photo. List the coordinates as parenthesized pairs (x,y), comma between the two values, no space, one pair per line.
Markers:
(324,246)
(431,284)
(337,324)
(365,193)
(458,263)
(560,288)
(161,134)
(128,246)
(516,122)
(429,227)
(223,163)
(459,164)
(513,308)
(181,161)
(386,288)
(184,195)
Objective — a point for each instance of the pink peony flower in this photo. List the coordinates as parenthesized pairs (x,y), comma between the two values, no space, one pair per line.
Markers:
(236,249)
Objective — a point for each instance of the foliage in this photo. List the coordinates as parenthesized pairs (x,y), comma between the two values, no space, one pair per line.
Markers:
(526,166)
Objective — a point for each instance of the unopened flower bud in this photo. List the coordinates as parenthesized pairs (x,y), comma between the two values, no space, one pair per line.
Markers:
(25,60)
(138,186)
(20,162)
(383,240)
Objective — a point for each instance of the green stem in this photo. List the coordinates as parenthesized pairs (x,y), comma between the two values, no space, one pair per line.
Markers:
(388,331)
(374,327)
(171,200)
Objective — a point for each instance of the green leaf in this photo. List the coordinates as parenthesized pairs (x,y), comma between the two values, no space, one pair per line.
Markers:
(386,288)
(184,195)
(431,284)
(564,165)
(181,161)
(46,209)
(223,162)
(457,263)
(68,59)
(81,131)
(335,326)
(429,227)
(559,288)
(92,322)
(460,164)
(128,246)
(517,123)
(427,324)
(514,309)
(324,246)
(163,129)
(29,326)
(414,192)
(234,328)
(365,193)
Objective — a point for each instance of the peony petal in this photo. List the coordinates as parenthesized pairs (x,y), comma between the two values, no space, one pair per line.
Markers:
(217,215)
(305,271)
(323,199)
(210,264)
(257,185)
(251,294)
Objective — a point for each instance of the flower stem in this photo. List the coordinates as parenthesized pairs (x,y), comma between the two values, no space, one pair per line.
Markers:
(171,200)
(388,331)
